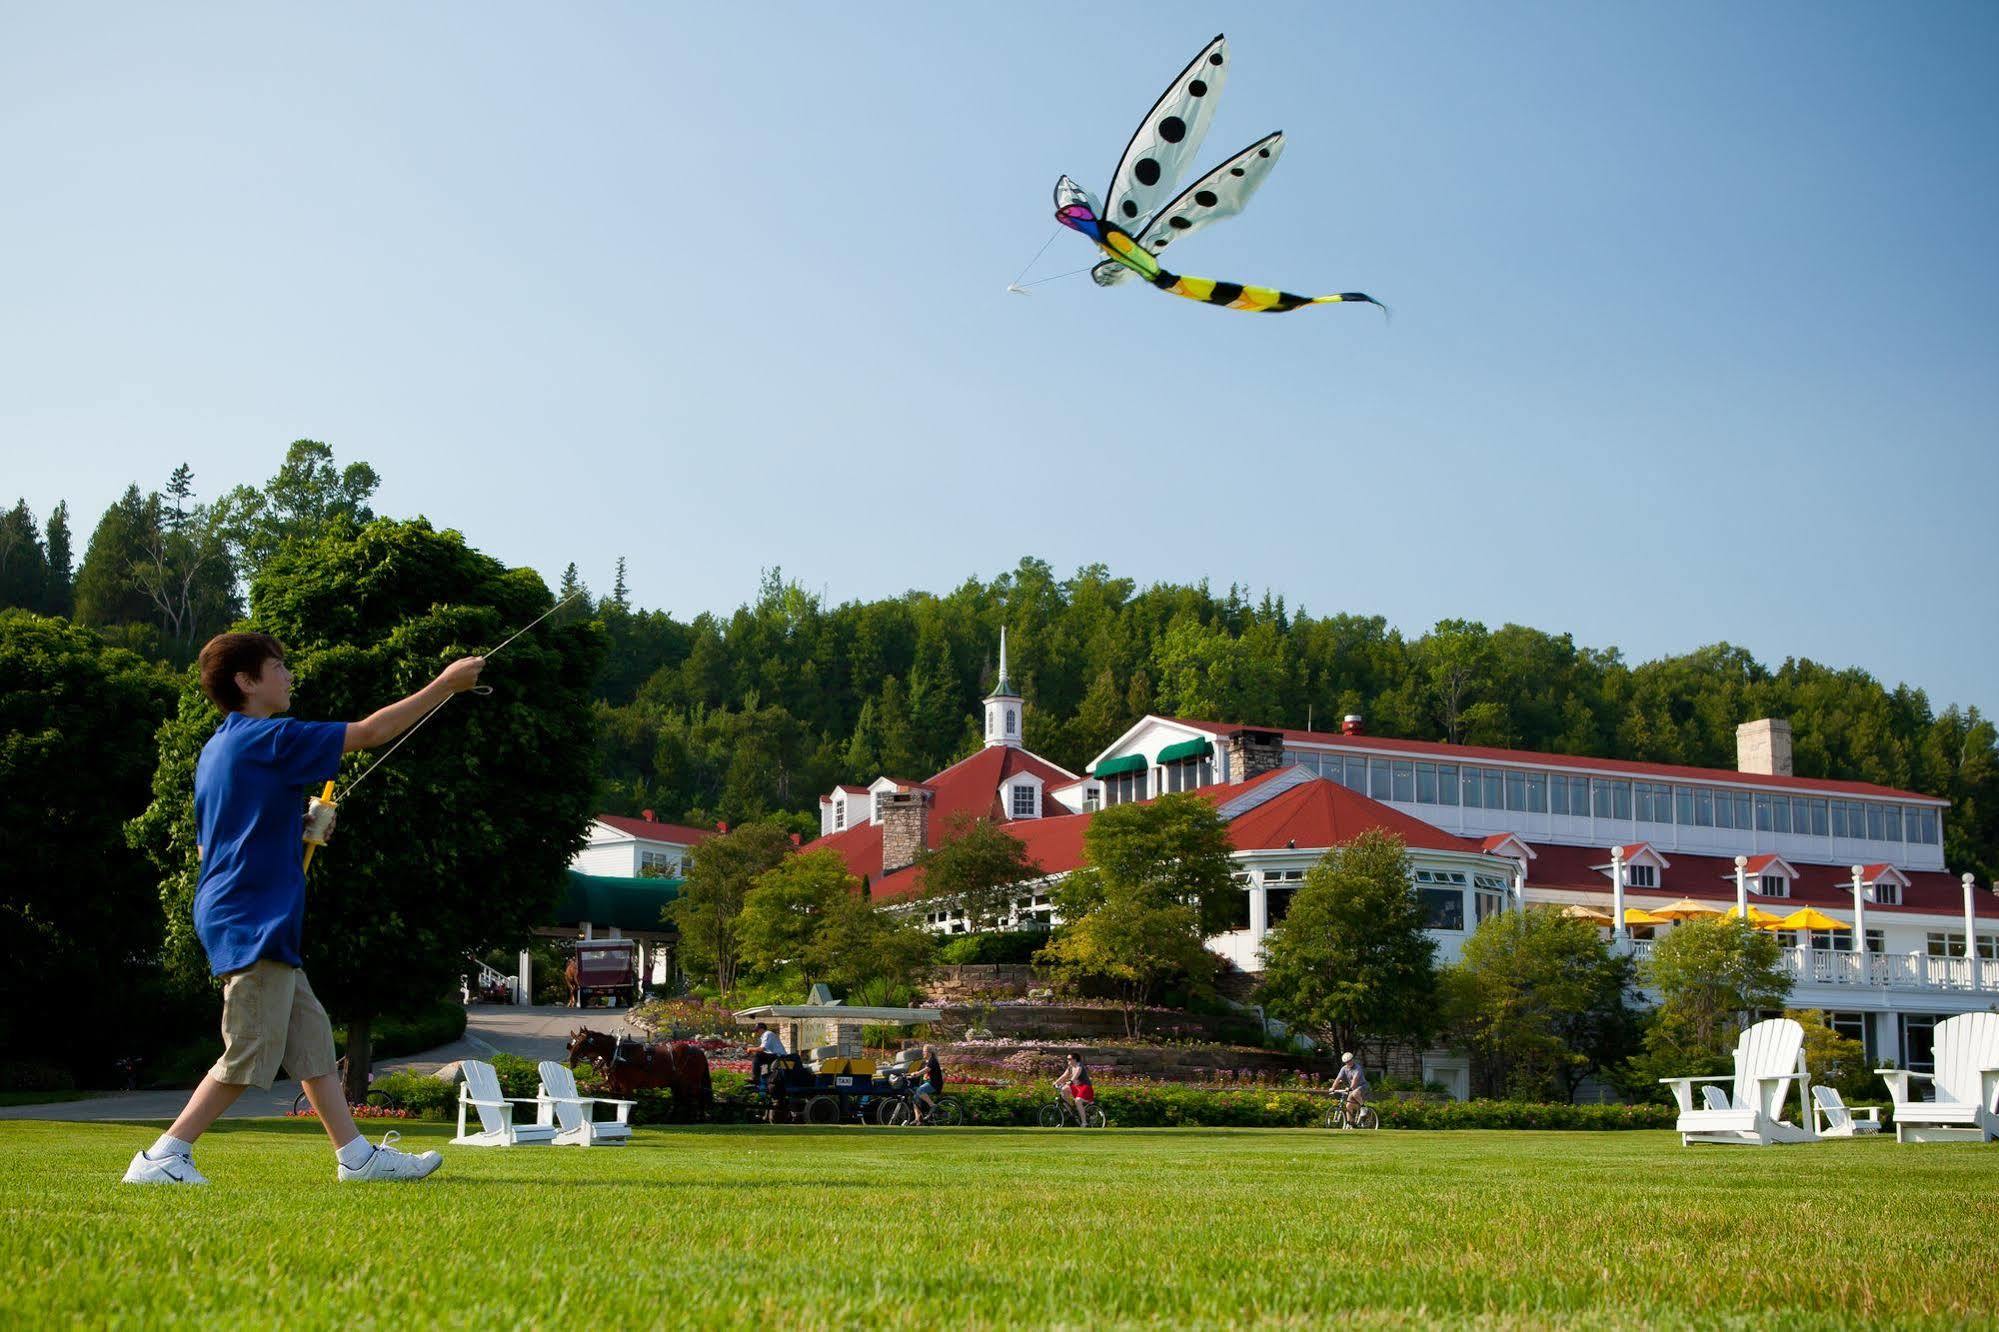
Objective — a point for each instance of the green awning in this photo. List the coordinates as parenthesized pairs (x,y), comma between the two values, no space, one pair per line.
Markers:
(1129,763)
(1187,749)
(602,899)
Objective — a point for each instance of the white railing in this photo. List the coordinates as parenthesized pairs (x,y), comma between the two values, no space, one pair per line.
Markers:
(1891,971)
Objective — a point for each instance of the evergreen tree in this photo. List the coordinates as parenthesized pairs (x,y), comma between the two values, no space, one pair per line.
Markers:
(57,594)
(24,564)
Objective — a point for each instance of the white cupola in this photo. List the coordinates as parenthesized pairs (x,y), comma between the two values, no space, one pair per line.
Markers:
(1003,710)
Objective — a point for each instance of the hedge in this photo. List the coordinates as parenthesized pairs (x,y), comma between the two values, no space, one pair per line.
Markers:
(1160,1105)
(993,947)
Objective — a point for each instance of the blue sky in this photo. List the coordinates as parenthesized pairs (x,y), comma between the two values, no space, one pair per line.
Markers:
(1694,333)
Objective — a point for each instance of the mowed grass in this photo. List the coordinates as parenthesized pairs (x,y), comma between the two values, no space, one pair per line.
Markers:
(937,1228)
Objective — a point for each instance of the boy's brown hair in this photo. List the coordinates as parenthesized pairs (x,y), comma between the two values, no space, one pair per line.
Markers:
(226,654)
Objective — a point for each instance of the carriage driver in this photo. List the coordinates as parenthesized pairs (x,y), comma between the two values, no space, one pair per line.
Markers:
(249,905)
(764,1047)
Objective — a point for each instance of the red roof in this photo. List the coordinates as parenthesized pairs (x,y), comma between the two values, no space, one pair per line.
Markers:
(674,834)
(1629,767)
(1712,878)
(1314,814)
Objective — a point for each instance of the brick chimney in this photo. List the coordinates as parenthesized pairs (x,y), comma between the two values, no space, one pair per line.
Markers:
(646,814)
(1253,753)
(1351,724)
(905,820)
(1764,747)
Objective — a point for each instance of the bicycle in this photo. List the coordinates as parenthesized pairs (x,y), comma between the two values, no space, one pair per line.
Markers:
(1345,1115)
(944,1112)
(373,1098)
(1087,1114)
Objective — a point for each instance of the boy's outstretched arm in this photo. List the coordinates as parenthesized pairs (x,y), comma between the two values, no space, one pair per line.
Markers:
(385,724)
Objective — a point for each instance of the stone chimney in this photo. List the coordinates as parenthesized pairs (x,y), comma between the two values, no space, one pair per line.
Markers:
(1351,724)
(1253,753)
(1764,747)
(905,818)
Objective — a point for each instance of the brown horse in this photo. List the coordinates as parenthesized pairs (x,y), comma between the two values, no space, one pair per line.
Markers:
(628,1065)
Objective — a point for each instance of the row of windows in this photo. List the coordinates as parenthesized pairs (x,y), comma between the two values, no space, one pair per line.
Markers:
(1416,782)
(659,860)
(1832,941)
(1944,943)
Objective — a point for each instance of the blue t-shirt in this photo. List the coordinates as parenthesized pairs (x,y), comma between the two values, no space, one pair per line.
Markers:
(250,786)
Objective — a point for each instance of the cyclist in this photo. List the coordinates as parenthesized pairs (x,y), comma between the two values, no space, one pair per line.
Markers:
(930,1088)
(1073,1086)
(1351,1081)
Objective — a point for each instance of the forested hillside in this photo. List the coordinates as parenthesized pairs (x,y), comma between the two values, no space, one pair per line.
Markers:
(761,710)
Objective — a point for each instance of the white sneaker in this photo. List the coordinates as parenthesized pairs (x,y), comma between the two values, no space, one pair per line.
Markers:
(388,1162)
(171,1169)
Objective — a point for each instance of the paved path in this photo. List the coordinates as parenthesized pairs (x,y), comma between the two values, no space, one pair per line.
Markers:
(532,1033)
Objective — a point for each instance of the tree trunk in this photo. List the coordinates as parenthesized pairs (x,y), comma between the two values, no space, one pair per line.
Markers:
(360,1058)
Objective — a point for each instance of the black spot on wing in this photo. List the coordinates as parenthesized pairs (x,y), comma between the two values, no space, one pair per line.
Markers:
(1146,170)
(1178,223)
(1198,88)
(1128,208)
(1215,59)
(1172,129)
(1235,171)
(1205,198)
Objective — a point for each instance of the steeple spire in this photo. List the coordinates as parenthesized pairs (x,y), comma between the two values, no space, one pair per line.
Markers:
(1003,709)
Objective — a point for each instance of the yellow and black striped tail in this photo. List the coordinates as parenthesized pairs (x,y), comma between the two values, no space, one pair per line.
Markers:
(1258,300)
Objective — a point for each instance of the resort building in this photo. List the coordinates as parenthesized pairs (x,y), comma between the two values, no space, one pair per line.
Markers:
(1498,829)
(626,848)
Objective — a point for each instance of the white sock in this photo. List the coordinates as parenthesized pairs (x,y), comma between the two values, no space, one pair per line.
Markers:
(169,1145)
(355,1154)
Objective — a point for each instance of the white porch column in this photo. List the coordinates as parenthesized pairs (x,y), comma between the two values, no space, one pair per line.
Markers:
(1259,913)
(1860,924)
(1741,887)
(1618,932)
(1970,932)
(1520,888)
(524,982)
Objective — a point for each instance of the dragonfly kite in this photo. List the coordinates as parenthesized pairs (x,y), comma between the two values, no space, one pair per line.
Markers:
(1136,228)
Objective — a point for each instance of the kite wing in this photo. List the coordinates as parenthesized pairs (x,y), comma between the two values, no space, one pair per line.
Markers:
(1222,193)
(1169,136)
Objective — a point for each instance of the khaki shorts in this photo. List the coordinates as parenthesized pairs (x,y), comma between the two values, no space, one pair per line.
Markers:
(270,1016)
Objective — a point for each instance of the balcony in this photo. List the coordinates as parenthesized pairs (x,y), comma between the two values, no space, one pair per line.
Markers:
(1881,971)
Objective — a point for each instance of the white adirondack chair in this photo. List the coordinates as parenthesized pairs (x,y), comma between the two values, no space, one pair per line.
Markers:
(1966,1108)
(573,1117)
(1769,1059)
(1834,1120)
(1716,1098)
(482,1092)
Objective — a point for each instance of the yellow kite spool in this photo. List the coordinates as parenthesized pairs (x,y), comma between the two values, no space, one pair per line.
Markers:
(316,815)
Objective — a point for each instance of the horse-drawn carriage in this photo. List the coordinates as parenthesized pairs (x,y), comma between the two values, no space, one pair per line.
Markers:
(828,1077)
(603,970)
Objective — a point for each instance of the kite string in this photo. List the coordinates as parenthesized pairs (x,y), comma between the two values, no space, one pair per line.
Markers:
(1058,277)
(482,689)
(1037,256)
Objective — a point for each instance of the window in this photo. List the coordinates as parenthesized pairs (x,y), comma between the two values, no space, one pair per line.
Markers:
(839,815)
(1841,941)
(1011,725)
(1891,823)
(1600,798)
(1488,896)
(1918,1041)
(1443,908)
(1852,1026)
(1405,780)
(1763,813)
(1239,906)
(1951,944)
(1124,787)
(879,797)
(1742,814)
(1929,822)
(1819,825)
(1620,800)
(1426,783)
(1641,876)
(1024,805)
(1491,782)
(1537,793)
(662,861)
(1188,774)
(1377,779)
(1516,792)
(1579,796)
(1703,808)
(1558,795)
(1875,833)
(1356,778)
(1471,785)
(1774,885)
(1780,814)
(1278,888)
(1092,799)
(1887,894)
(1447,783)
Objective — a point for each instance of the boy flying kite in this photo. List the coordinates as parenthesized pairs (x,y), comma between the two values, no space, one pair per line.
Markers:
(249,908)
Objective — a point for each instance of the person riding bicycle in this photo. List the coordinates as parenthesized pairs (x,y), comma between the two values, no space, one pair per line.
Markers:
(1352,1081)
(930,1088)
(1073,1086)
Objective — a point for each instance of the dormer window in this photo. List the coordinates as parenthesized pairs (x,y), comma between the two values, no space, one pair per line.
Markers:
(1641,876)
(1774,885)
(839,815)
(1887,893)
(1024,804)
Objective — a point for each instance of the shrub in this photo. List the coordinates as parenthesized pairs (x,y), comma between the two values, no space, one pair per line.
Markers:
(30,1075)
(993,948)
(440,1024)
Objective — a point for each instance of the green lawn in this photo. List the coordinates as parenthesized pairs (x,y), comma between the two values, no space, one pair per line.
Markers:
(863,1227)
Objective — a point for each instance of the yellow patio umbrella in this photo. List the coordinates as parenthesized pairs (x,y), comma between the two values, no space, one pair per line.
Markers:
(1811,918)
(1685,909)
(1640,916)
(1590,914)
(1759,918)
